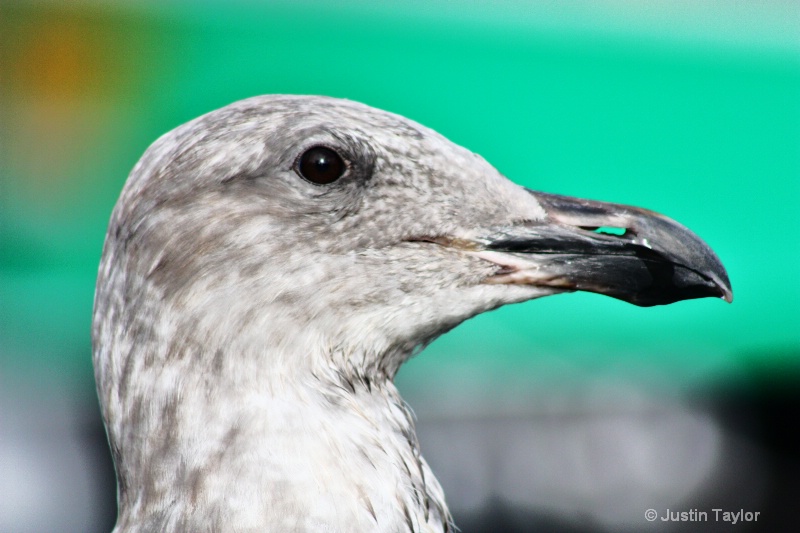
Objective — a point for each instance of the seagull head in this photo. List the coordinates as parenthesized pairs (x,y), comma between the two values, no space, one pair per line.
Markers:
(360,233)
(268,268)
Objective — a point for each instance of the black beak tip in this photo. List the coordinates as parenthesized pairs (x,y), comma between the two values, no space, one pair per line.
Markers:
(684,284)
(724,289)
(715,277)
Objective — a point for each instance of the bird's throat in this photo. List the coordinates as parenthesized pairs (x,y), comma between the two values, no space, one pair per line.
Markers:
(342,449)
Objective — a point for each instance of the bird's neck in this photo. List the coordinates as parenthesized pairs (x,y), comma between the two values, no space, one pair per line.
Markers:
(332,450)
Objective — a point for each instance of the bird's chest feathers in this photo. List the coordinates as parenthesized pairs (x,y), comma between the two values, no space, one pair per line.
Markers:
(318,459)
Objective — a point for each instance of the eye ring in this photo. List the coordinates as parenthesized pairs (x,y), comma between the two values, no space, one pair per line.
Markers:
(321,165)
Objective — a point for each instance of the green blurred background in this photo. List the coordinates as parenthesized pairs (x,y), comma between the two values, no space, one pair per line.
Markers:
(690,108)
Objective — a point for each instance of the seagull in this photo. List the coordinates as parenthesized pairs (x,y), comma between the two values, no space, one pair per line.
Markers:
(268,268)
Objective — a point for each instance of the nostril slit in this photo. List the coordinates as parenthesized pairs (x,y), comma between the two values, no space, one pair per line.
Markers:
(607,230)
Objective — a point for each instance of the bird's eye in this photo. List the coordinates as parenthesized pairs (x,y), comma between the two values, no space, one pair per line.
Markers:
(320,165)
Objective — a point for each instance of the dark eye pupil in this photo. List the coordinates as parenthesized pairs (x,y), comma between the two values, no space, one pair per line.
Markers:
(321,165)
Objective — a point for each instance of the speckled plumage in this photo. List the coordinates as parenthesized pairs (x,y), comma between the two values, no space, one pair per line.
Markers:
(248,323)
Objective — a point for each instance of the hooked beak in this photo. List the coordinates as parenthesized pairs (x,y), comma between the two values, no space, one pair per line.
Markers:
(625,252)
